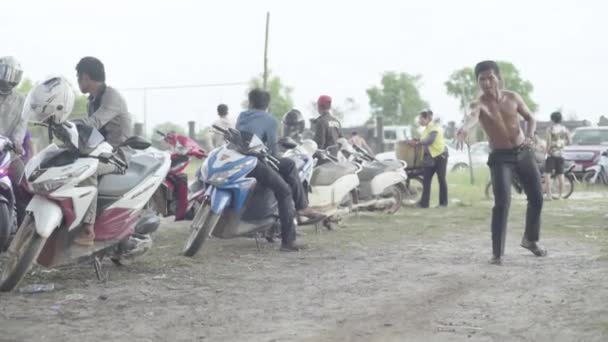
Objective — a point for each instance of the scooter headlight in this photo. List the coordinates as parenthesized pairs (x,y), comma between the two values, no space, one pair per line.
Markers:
(53,184)
(220,178)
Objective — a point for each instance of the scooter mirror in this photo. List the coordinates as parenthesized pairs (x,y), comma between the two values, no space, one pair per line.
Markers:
(136,143)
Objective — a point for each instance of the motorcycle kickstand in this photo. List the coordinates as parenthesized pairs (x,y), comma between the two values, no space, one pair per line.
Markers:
(257,243)
(101,276)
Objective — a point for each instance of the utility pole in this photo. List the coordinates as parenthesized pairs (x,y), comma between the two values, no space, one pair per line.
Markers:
(265,75)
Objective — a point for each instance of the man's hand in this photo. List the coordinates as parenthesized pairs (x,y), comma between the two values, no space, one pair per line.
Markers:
(18,149)
(412,143)
(530,141)
(461,136)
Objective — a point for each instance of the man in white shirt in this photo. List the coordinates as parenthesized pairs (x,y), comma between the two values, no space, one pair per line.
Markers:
(217,139)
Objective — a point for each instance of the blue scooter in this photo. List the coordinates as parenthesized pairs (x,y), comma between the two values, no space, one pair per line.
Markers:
(233,205)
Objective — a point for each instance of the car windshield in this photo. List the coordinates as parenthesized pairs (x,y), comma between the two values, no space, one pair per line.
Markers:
(590,137)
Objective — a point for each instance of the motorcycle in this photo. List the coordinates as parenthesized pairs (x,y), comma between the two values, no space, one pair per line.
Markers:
(381,182)
(598,173)
(59,203)
(569,180)
(174,197)
(234,205)
(8,217)
(332,183)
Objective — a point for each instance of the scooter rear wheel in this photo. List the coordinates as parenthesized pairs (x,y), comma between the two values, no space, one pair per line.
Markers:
(23,251)
(202,226)
(396,193)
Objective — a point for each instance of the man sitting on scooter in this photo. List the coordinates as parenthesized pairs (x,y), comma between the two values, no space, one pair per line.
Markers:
(108,113)
(285,183)
(13,124)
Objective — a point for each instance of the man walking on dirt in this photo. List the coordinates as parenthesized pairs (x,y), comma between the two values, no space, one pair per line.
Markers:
(499,113)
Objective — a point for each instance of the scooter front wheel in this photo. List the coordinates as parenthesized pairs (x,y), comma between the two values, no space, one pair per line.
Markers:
(202,226)
(23,251)
(5,225)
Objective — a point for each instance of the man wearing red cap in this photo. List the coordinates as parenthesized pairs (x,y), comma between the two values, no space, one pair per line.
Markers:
(327,128)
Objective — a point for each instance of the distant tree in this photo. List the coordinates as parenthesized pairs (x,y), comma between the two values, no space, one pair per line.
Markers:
(463,85)
(280,95)
(397,100)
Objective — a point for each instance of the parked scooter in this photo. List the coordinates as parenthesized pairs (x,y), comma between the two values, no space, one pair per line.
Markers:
(381,182)
(173,197)
(598,173)
(54,176)
(234,205)
(332,183)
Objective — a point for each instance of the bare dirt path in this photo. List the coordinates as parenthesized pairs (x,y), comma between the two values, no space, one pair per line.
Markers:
(416,276)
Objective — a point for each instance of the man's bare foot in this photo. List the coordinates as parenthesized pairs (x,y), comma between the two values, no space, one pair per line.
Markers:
(534,247)
(496,261)
(86,236)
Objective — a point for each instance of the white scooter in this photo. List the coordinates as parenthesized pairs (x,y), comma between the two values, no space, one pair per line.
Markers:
(332,184)
(55,213)
(381,182)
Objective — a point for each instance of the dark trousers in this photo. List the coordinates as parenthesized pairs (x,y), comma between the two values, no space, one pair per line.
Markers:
(438,166)
(289,172)
(15,174)
(268,177)
(503,165)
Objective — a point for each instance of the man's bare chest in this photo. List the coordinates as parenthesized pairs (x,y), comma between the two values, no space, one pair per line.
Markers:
(495,111)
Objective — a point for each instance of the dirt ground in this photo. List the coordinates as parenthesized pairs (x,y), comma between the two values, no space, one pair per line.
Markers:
(415,276)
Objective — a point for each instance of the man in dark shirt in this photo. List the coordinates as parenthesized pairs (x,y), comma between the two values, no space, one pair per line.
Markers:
(327,128)
(285,183)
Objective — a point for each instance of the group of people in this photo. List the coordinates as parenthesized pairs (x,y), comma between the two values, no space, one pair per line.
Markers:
(106,112)
(285,182)
(497,110)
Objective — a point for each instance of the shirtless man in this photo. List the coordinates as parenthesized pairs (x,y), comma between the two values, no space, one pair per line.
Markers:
(499,113)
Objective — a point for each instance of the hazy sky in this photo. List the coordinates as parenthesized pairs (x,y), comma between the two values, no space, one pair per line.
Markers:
(338,48)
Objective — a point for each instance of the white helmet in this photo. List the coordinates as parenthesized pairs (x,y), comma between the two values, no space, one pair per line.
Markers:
(51,100)
(310,146)
(10,73)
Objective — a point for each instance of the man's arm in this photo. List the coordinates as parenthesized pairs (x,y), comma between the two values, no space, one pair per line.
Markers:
(271,135)
(21,128)
(524,111)
(320,133)
(429,140)
(111,106)
(548,139)
(469,121)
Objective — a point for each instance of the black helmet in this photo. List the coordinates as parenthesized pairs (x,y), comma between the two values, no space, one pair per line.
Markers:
(293,123)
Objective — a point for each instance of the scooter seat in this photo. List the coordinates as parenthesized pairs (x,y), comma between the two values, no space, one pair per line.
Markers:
(372,169)
(326,174)
(140,167)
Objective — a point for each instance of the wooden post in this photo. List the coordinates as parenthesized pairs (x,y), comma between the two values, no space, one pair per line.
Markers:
(192,129)
(380,133)
(138,129)
(265,75)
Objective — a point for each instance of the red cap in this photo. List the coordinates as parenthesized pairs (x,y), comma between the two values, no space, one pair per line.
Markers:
(324,102)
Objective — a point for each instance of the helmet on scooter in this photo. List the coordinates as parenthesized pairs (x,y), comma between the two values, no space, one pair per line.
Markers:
(52,100)
(293,123)
(10,74)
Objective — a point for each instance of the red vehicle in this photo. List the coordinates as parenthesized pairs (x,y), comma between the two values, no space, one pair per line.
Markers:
(173,197)
(588,143)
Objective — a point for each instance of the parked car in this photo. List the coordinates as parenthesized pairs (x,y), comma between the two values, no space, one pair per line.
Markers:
(458,160)
(588,143)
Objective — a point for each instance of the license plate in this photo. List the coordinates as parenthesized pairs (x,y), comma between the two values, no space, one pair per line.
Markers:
(578,168)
